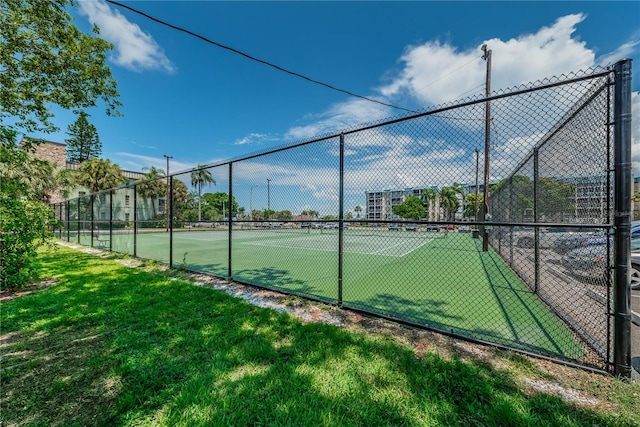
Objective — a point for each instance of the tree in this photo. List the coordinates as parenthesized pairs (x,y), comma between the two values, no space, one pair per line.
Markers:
(284,215)
(410,208)
(23,218)
(84,142)
(357,210)
(449,201)
(199,177)
(152,187)
(429,197)
(46,60)
(554,196)
(310,212)
(471,204)
(220,202)
(99,174)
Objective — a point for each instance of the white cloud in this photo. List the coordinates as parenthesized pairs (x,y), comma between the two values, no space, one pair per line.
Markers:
(340,117)
(436,73)
(255,138)
(139,162)
(624,51)
(134,49)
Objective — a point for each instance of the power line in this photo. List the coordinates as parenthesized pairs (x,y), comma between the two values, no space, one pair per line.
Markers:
(447,74)
(293,73)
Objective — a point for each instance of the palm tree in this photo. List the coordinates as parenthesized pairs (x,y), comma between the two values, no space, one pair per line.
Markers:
(99,174)
(152,187)
(358,209)
(200,177)
(450,202)
(429,196)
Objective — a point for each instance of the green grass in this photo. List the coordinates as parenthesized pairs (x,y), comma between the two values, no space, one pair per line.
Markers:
(111,345)
(446,283)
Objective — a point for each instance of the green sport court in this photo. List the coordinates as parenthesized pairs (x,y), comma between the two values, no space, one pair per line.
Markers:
(440,280)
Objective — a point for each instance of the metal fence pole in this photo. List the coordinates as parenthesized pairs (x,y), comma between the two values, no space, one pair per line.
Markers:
(536,239)
(229,275)
(169,205)
(78,221)
(135,221)
(67,205)
(341,222)
(111,220)
(622,219)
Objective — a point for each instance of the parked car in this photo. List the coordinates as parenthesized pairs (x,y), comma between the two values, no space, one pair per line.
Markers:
(305,225)
(575,241)
(591,262)
(525,237)
(411,227)
(331,225)
(394,227)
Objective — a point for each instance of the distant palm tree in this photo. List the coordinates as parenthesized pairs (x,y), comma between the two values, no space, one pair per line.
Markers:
(450,202)
(99,174)
(429,196)
(200,177)
(152,187)
(358,209)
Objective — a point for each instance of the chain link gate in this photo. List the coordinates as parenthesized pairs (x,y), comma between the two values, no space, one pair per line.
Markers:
(388,219)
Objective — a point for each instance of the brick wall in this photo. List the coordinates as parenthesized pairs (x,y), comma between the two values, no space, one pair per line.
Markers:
(54,152)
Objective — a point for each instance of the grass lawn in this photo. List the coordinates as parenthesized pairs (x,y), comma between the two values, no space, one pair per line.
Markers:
(112,345)
(445,283)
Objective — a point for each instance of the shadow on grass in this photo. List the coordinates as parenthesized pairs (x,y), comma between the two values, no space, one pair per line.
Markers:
(127,347)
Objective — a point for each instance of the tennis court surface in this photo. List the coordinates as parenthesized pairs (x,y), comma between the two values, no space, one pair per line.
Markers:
(440,280)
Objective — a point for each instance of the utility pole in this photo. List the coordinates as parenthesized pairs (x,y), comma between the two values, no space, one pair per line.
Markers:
(487,145)
(167,203)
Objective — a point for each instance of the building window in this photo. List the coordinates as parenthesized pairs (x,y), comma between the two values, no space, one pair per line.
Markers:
(126,200)
(126,216)
(161,205)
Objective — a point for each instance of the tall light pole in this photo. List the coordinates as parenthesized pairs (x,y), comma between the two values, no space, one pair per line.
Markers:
(168,190)
(487,145)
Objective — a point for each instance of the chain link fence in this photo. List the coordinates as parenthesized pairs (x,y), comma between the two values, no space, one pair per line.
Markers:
(393,219)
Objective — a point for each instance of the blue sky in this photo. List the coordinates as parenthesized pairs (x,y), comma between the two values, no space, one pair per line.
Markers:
(202,104)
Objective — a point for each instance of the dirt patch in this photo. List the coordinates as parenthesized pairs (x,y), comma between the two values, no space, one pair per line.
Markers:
(6,295)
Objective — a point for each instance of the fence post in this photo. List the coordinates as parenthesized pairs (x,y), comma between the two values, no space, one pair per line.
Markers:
(111,220)
(135,221)
(536,230)
(78,220)
(67,205)
(622,218)
(169,205)
(341,221)
(229,275)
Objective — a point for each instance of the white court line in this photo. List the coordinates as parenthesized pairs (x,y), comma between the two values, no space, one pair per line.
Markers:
(189,238)
(274,244)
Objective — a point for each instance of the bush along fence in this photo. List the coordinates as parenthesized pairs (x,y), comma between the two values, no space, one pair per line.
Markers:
(509,228)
